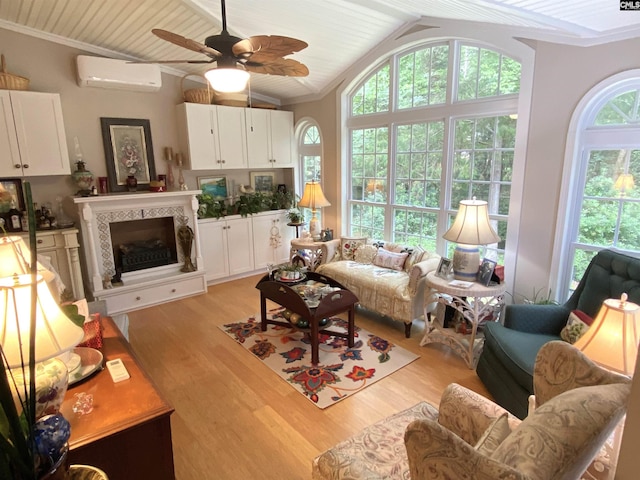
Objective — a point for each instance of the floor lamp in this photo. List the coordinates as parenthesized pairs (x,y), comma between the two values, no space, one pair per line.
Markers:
(313,198)
(470,228)
(612,342)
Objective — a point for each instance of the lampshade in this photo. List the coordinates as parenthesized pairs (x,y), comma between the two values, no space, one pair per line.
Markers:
(471,226)
(15,257)
(55,333)
(227,79)
(613,337)
(624,183)
(313,197)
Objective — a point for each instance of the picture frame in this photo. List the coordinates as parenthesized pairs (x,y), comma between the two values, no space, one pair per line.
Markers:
(262,181)
(215,185)
(128,151)
(13,187)
(444,267)
(486,271)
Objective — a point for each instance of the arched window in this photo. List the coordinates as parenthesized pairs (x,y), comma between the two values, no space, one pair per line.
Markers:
(310,157)
(431,126)
(603,204)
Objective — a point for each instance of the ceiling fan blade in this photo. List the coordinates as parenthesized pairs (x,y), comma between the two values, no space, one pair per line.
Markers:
(243,49)
(276,66)
(185,42)
(277,45)
(174,61)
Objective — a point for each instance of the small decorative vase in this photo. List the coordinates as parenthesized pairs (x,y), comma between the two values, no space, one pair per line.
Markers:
(132,183)
(83,178)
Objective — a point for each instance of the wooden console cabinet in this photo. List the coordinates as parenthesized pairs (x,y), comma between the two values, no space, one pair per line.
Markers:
(128,433)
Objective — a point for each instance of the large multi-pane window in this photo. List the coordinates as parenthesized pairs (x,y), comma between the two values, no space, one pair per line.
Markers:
(430,127)
(607,202)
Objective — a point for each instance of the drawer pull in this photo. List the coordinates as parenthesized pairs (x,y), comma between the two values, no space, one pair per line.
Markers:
(39,241)
(138,298)
(173,290)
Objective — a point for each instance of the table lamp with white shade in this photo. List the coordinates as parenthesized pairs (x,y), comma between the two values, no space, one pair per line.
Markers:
(612,341)
(313,198)
(470,228)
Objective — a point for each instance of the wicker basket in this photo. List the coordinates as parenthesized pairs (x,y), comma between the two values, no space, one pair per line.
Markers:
(197,95)
(9,81)
(230,99)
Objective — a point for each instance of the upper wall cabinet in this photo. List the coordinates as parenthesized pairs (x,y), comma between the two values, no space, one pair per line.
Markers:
(212,136)
(269,138)
(32,137)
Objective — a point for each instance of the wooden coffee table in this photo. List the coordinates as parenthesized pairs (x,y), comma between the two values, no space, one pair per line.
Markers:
(336,302)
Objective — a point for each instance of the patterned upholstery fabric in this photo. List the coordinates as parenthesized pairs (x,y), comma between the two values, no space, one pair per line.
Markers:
(557,441)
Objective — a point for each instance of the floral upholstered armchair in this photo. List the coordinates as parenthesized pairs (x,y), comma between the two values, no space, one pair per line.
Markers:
(578,405)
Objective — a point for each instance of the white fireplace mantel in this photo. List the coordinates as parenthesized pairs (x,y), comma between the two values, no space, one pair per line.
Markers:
(146,287)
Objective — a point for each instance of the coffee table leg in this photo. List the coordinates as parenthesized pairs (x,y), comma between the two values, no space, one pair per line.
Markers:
(263,313)
(314,341)
(351,331)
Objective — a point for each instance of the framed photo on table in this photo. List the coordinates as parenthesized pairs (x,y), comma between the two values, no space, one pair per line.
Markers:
(263,181)
(216,186)
(486,271)
(11,192)
(444,267)
(129,151)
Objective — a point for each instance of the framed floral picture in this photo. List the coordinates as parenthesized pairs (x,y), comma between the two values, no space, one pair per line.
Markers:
(11,194)
(129,152)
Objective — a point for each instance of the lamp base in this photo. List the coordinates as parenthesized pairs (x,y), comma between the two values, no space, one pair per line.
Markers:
(466,262)
(314,228)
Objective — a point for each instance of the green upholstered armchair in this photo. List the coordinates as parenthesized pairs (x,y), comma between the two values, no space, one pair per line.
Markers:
(507,360)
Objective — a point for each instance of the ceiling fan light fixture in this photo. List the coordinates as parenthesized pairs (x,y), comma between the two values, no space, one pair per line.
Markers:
(227,79)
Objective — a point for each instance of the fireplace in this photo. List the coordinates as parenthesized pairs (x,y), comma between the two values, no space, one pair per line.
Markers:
(131,249)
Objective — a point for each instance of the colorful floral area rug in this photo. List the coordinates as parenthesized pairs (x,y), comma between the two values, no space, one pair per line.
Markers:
(341,371)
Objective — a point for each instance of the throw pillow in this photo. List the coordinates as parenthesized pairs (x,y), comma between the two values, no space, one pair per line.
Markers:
(493,436)
(365,254)
(578,323)
(349,245)
(387,259)
(414,257)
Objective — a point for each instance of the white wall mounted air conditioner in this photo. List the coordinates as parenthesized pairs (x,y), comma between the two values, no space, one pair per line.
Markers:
(112,73)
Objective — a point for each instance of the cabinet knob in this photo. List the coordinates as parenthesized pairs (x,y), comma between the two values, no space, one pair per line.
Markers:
(39,241)
(26,165)
(137,298)
(173,290)
(224,161)
(17,165)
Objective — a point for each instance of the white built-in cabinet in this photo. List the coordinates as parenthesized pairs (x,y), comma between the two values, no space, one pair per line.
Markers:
(235,245)
(227,246)
(223,137)
(269,138)
(212,136)
(32,136)
(271,238)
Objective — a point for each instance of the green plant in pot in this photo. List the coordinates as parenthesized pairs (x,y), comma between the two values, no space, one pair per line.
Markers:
(33,330)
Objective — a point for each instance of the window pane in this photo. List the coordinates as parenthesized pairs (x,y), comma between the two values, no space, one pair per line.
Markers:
(369,166)
(422,77)
(311,136)
(598,222)
(367,220)
(311,168)
(485,73)
(415,228)
(620,110)
(373,95)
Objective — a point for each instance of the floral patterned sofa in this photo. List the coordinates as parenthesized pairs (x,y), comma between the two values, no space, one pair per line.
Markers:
(577,406)
(387,279)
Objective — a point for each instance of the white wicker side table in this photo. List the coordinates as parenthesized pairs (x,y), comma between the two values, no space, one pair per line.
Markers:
(474,303)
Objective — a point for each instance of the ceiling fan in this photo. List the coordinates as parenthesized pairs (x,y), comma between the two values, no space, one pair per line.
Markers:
(259,54)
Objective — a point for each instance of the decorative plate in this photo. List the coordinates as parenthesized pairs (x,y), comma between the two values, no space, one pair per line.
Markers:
(90,362)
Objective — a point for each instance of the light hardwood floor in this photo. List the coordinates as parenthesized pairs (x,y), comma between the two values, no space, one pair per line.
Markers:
(235,419)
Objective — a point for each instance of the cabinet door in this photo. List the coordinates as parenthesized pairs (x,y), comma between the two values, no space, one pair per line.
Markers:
(240,245)
(287,234)
(257,128)
(231,137)
(9,154)
(281,138)
(213,245)
(40,131)
(196,135)
(263,251)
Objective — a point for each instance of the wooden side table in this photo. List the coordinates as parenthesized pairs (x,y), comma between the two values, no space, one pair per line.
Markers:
(312,252)
(474,303)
